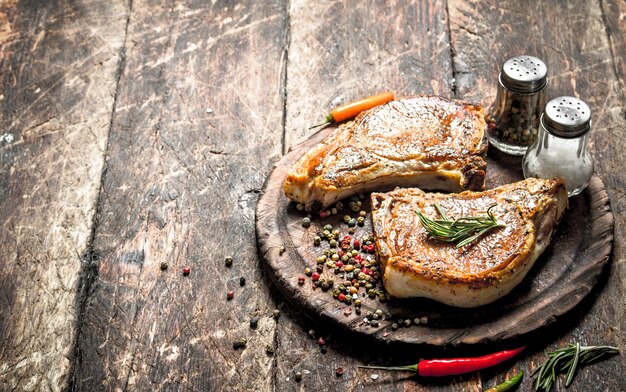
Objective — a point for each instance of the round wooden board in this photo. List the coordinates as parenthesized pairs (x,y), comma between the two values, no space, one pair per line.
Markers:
(560,279)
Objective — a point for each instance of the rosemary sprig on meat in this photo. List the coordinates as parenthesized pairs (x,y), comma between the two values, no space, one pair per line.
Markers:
(463,230)
(568,360)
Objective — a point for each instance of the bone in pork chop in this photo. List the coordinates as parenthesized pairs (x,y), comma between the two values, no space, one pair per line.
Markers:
(424,141)
(416,265)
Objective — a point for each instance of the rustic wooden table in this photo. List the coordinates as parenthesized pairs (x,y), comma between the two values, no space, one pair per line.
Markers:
(134,133)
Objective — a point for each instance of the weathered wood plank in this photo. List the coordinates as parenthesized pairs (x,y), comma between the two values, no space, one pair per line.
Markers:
(58,74)
(614,18)
(195,131)
(572,38)
(342,51)
(338,52)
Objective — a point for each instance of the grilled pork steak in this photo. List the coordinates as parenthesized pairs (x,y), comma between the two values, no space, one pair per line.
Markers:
(416,265)
(425,141)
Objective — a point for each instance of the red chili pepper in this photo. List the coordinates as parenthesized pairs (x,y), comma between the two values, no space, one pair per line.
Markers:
(454,366)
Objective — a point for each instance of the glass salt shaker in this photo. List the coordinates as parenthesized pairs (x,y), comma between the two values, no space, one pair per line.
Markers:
(561,145)
(520,99)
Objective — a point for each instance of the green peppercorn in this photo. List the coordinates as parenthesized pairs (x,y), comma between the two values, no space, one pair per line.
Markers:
(357,302)
(394,327)
(416,320)
(333,211)
(333,243)
(336,233)
(164,265)
(335,257)
(317,241)
(328,228)
(281,250)
(269,349)
(374,323)
(254,322)
(352,222)
(360,221)
(299,206)
(228,261)
(306,221)
(321,259)
(362,213)
(297,376)
(276,313)
(307,271)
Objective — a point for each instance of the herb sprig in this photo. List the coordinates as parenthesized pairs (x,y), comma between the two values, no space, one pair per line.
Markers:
(463,230)
(568,360)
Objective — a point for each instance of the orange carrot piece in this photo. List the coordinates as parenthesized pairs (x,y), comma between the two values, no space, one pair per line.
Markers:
(351,110)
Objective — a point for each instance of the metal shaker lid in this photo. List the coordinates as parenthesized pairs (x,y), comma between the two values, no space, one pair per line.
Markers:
(567,117)
(523,74)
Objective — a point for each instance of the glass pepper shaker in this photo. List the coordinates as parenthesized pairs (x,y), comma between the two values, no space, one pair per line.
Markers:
(520,99)
(561,145)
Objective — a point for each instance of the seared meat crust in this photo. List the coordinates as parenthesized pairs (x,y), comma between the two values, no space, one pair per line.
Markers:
(415,265)
(425,141)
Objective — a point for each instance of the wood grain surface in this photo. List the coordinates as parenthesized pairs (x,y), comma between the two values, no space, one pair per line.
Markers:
(187,154)
(134,132)
(55,113)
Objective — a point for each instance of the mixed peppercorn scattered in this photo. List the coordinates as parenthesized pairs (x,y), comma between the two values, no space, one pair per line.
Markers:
(345,265)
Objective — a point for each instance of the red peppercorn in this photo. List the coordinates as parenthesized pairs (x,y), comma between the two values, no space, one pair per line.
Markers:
(315,277)
(341,297)
(339,372)
(340,253)
(186,270)
(324,214)
(347,238)
(321,341)
(358,258)
(301,280)
(230,295)
(356,244)
(339,264)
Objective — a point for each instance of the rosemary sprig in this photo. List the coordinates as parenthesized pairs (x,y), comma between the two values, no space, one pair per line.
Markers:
(568,360)
(463,230)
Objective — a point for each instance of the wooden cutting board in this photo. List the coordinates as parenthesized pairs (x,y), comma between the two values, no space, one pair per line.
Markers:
(560,279)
